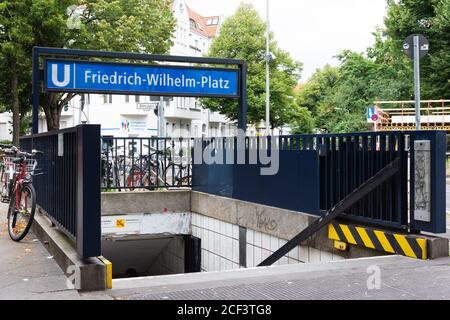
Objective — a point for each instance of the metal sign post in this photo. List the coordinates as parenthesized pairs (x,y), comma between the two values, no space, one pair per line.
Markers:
(161,118)
(416,46)
(417,80)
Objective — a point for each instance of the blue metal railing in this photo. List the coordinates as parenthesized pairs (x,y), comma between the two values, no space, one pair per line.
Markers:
(317,171)
(67,187)
(347,161)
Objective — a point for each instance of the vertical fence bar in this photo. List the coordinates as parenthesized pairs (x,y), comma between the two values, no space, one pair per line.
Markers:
(88,234)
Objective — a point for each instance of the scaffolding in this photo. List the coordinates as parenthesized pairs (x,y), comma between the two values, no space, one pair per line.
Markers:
(400,115)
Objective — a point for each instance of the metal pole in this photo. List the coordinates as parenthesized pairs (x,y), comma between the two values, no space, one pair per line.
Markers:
(82,102)
(161,118)
(267,72)
(35,91)
(242,112)
(417,80)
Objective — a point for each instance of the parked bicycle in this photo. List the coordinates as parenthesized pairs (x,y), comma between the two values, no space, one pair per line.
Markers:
(112,167)
(17,188)
(158,169)
(139,164)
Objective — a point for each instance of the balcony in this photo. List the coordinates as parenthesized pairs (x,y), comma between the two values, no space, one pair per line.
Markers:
(173,112)
(217,117)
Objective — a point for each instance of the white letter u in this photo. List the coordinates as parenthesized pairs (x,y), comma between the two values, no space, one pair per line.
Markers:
(66,80)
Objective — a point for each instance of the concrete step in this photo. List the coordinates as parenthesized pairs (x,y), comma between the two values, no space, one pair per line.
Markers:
(400,278)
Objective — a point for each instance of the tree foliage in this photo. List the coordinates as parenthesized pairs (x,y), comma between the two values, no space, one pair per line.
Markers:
(242,36)
(15,38)
(432,19)
(338,97)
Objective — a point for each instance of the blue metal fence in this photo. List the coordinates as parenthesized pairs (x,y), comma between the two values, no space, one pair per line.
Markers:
(348,160)
(294,187)
(67,186)
(318,171)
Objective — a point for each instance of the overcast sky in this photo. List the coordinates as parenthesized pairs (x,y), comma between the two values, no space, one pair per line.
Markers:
(313,31)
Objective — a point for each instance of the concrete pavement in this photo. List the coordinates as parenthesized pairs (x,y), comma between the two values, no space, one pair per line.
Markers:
(27,271)
(399,278)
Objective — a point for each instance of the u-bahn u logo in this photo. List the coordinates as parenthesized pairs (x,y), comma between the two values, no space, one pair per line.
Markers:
(57,80)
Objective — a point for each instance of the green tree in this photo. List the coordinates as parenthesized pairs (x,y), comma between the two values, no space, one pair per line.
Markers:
(118,25)
(302,122)
(242,36)
(318,89)
(432,19)
(338,96)
(15,38)
(362,80)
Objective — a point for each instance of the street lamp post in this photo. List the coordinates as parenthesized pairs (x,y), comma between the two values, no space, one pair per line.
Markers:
(417,79)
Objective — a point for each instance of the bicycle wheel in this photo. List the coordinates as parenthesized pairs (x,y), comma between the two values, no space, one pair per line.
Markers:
(183,181)
(20,218)
(134,181)
(150,181)
(4,178)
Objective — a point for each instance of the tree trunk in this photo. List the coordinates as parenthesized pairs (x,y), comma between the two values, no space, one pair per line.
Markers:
(52,117)
(53,105)
(52,111)
(15,101)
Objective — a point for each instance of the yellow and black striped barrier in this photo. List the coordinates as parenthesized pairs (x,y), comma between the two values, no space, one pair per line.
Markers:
(403,244)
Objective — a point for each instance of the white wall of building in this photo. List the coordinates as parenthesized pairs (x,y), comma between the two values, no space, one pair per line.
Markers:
(6,126)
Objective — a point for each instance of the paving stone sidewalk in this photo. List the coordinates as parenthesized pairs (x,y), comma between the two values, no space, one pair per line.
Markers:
(27,271)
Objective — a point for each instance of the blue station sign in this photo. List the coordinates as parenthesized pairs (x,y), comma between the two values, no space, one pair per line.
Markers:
(159,80)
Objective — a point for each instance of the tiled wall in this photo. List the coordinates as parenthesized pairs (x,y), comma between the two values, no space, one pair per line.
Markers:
(220,243)
(220,246)
(171,259)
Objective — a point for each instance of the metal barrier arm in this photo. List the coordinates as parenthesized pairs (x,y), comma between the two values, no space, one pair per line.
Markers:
(359,193)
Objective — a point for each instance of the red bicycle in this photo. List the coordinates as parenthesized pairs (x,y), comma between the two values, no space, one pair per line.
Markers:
(19,167)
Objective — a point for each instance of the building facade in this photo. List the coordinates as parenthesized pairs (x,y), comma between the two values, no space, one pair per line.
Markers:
(134,116)
(6,120)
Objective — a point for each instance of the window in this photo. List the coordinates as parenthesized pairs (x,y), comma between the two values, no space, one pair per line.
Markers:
(137,99)
(107,98)
(127,99)
(196,44)
(204,130)
(192,23)
(167,100)
(212,21)
(87,99)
